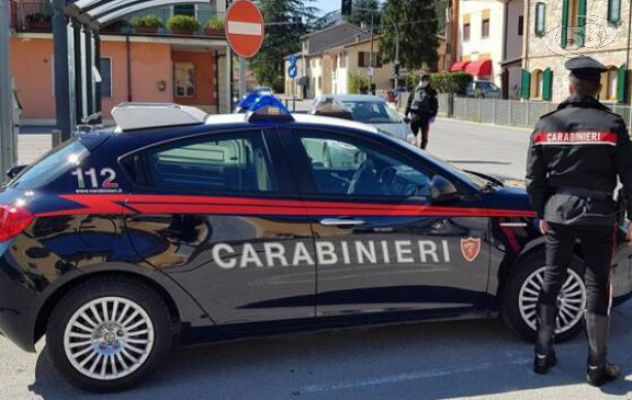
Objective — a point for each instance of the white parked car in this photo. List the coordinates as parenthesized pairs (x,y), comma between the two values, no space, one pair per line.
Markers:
(372,110)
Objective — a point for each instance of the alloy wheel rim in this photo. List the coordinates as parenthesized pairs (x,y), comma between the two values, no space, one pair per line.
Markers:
(571,302)
(108,338)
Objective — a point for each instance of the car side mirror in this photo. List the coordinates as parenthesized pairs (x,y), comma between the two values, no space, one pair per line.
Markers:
(442,189)
(13,172)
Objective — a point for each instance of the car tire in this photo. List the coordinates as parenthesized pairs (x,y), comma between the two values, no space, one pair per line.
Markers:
(520,292)
(109,334)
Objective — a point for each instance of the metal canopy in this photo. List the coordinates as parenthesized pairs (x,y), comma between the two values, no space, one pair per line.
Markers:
(101,12)
(76,27)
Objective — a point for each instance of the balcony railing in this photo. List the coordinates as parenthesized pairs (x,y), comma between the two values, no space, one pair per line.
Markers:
(31,16)
(35,16)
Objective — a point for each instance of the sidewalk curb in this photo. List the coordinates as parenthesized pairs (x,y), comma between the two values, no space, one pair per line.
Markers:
(484,124)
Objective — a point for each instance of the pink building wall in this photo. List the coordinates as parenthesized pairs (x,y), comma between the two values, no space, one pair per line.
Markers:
(151,74)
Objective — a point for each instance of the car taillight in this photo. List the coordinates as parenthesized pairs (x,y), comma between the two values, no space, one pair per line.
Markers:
(13,220)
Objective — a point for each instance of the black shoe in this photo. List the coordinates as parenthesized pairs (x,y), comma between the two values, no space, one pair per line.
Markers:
(542,364)
(598,376)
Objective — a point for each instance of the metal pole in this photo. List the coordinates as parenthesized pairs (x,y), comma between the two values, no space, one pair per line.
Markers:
(98,107)
(229,80)
(62,80)
(76,34)
(7,158)
(371,58)
(242,77)
(397,63)
(89,62)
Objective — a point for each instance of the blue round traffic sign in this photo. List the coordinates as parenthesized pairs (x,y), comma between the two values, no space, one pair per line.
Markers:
(292,71)
(292,60)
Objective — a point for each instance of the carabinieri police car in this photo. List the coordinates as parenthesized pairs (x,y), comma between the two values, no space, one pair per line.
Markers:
(177,224)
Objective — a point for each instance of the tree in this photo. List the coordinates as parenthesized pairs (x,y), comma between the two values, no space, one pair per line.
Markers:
(362,10)
(414,23)
(286,21)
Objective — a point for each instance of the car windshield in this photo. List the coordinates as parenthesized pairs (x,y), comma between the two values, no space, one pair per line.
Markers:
(372,112)
(50,166)
(468,176)
(487,86)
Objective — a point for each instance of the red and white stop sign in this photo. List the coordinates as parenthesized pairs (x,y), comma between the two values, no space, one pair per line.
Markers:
(244,28)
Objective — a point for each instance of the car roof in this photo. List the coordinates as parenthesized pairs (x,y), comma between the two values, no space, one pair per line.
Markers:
(354,97)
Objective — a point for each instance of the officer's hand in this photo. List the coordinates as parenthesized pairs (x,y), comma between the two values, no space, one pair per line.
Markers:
(628,232)
(544,227)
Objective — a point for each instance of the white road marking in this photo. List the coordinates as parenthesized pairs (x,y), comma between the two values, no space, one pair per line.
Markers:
(245,28)
(412,376)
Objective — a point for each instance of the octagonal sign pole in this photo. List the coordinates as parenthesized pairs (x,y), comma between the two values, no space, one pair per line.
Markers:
(244,28)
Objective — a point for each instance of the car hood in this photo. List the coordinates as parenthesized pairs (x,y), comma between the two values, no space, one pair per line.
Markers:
(399,131)
(510,194)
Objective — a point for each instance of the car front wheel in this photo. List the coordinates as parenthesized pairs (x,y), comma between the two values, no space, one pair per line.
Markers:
(521,292)
(109,334)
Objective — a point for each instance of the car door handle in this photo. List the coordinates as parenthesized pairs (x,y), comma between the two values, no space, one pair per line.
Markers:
(341,222)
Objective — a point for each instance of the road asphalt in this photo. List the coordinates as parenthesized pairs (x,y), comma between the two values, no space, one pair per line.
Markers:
(477,359)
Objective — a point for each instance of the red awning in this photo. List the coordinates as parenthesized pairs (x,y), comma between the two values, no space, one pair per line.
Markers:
(459,66)
(480,68)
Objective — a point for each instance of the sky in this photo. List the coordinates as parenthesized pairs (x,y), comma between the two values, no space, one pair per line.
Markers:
(327,5)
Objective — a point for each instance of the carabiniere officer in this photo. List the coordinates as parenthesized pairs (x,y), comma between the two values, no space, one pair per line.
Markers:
(575,156)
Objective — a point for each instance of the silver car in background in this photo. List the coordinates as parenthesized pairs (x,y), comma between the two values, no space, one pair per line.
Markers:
(372,110)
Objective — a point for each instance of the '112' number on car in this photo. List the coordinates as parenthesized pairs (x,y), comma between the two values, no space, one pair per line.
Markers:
(92,178)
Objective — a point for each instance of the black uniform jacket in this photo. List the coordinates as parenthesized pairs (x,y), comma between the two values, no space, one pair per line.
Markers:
(422,102)
(575,156)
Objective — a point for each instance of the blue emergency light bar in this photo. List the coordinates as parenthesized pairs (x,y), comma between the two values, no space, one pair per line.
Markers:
(266,102)
(247,102)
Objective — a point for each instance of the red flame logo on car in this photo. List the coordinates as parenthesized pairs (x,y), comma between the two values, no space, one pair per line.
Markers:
(470,248)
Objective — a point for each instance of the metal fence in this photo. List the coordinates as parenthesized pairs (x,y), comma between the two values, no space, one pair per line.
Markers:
(506,112)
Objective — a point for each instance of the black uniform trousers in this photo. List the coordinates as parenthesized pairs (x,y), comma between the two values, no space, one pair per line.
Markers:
(597,244)
(421,123)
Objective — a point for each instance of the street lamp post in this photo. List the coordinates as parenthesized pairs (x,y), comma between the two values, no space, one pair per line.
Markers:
(371,57)
(397,62)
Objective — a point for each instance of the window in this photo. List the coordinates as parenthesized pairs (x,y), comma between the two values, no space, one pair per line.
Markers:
(521,25)
(235,164)
(485,30)
(184,79)
(106,77)
(184,9)
(352,168)
(372,112)
(540,19)
(614,11)
(536,84)
(363,59)
(573,18)
(52,165)
(320,82)
(466,32)
(609,84)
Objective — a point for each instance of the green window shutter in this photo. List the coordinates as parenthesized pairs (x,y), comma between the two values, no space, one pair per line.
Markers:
(622,83)
(564,23)
(547,84)
(525,85)
(581,21)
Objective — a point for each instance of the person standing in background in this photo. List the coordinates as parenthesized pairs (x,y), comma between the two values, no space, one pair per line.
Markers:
(422,109)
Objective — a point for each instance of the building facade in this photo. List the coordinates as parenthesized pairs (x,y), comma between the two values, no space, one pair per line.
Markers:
(485,39)
(162,66)
(544,76)
(332,57)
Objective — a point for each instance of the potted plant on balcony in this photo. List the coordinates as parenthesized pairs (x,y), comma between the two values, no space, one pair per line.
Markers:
(148,24)
(38,22)
(214,27)
(182,25)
